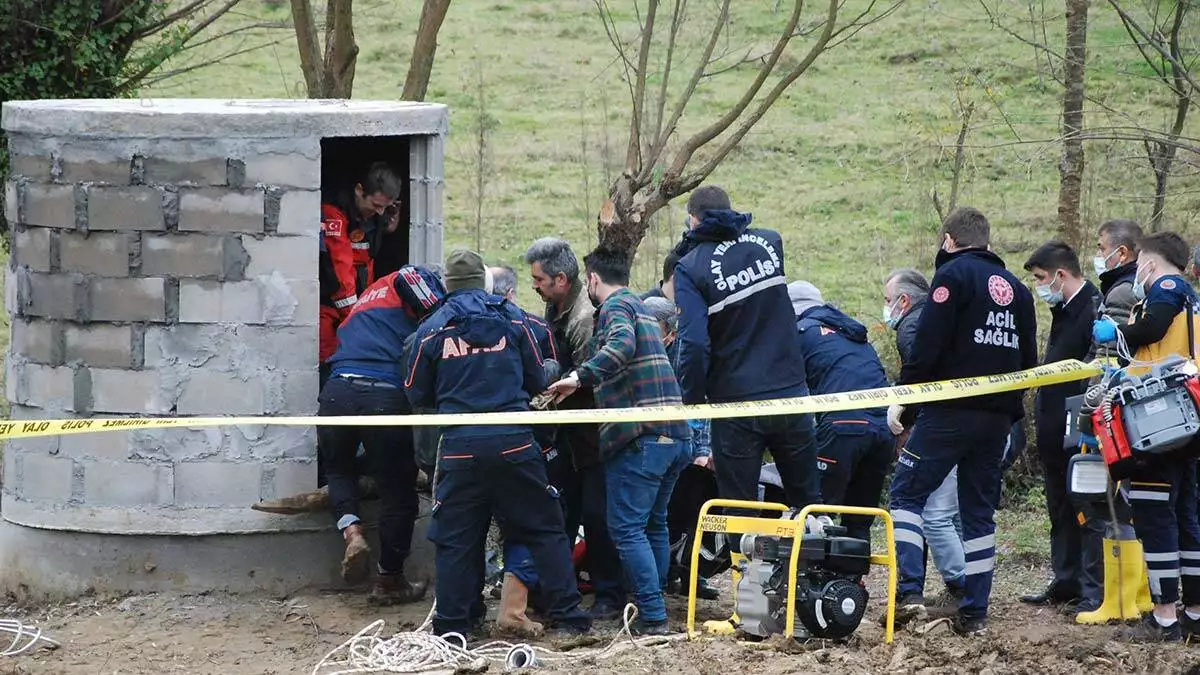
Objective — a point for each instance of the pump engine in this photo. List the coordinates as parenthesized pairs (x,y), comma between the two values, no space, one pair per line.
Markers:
(831,597)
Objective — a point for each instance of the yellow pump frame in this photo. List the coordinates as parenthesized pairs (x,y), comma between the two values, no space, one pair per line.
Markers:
(793,529)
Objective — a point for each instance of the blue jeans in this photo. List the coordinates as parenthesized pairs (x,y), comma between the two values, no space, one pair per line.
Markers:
(640,480)
(943,530)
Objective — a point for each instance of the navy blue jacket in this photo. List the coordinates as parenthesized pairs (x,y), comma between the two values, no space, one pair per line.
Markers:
(475,354)
(838,358)
(737,336)
(979,320)
(371,339)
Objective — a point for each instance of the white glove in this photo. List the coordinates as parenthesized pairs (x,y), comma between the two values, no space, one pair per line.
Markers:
(893,417)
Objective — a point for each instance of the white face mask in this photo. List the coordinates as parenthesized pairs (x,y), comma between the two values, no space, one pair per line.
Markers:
(1100,262)
(1047,293)
(1139,284)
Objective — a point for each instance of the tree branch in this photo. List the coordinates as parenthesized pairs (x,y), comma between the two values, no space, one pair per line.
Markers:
(610,29)
(341,52)
(660,144)
(420,66)
(311,62)
(676,21)
(684,155)
(1164,51)
(634,151)
(732,141)
(183,12)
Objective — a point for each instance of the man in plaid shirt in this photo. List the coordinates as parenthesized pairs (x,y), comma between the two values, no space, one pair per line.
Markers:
(642,460)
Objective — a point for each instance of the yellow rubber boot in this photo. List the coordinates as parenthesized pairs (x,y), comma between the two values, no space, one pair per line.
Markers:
(1125,583)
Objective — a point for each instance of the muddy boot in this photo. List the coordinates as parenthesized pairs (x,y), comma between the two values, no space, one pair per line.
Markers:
(357,561)
(305,502)
(511,618)
(394,589)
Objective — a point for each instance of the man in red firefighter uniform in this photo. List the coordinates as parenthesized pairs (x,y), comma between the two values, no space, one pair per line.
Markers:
(353,224)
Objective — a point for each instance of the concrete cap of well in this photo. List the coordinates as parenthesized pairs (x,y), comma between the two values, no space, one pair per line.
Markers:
(226,118)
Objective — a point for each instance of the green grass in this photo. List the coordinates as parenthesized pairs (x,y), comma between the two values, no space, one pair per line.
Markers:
(843,166)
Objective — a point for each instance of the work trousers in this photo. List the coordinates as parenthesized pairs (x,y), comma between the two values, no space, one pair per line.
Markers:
(389,453)
(1073,545)
(503,476)
(853,457)
(943,438)
(323,371)
(1162,496)
(738,447)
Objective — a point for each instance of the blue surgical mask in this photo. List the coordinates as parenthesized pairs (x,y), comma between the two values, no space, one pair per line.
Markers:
(892,319)
(1047,293)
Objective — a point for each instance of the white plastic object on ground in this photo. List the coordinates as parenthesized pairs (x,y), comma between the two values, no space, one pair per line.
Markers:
(24,638)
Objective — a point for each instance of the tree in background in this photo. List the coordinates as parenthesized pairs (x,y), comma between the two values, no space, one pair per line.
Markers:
(93,48)
(329,72)
(660,166)
(1071,164)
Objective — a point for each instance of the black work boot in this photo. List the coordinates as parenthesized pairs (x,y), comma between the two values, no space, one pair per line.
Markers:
(394,589)
(909,607)
(969,626)
(1148,630)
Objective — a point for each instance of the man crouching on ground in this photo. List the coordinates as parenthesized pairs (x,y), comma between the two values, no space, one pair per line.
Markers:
(476,355)
(642,459)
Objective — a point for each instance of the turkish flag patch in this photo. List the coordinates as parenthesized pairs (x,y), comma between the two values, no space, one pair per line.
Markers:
(1167,284)
(941,294)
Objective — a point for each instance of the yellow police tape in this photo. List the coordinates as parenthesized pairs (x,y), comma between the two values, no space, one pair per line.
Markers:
(1054,373)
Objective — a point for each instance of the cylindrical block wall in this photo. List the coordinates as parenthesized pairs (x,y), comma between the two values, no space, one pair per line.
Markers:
(164,263)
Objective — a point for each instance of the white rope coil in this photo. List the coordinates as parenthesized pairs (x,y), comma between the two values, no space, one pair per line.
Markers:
(24,638)
(420,651)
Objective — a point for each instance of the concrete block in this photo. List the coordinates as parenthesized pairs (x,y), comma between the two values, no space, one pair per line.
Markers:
(220,302)
(293,477)
(108,445)
(279,302)
(127,391)
(125,484)
(216,484)
(49,205)
(99,345)
(230,347)
(31,247)
(125,208)
(35,340)
(44,445)
(128,299)
(300,213)
(200,172)
(46,477)
(206,392)
(300,389)
(14,301)
(47,386)
(52,296)
(101,253)
(112,172)
(217,210)
(284,170)
(12,203)
(272,444)
(35,167)
(183,255)
(177,445)
(293,257)
(307,293)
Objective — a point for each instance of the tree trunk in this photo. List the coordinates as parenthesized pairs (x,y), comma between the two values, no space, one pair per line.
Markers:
(341,51)
(420,66)
(1070,166)
(310,50)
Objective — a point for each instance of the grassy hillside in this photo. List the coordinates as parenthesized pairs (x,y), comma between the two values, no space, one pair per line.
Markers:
(843,166)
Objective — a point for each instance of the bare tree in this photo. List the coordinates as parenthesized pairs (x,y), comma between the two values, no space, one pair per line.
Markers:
(420,66)
(1160,47)
(651,178)
(1071,164)
(329,72)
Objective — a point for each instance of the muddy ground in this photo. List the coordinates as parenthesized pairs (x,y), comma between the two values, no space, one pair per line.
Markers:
(211,634)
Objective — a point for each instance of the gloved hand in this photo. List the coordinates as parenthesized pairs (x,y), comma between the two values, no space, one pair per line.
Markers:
(893,419)
(1104,330)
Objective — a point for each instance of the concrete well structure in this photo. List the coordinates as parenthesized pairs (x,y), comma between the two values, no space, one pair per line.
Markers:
(164,263)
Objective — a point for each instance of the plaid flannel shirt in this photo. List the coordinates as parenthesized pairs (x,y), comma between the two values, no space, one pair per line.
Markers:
(629,368)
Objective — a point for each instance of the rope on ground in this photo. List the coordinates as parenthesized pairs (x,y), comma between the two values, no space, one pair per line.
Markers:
(420,651)
(24,638)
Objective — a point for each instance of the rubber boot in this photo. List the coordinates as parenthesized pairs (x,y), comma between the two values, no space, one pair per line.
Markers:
(1126,585)
(356,562)
(511,618)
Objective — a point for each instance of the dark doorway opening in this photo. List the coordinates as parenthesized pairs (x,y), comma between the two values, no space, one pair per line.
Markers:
(344,160)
